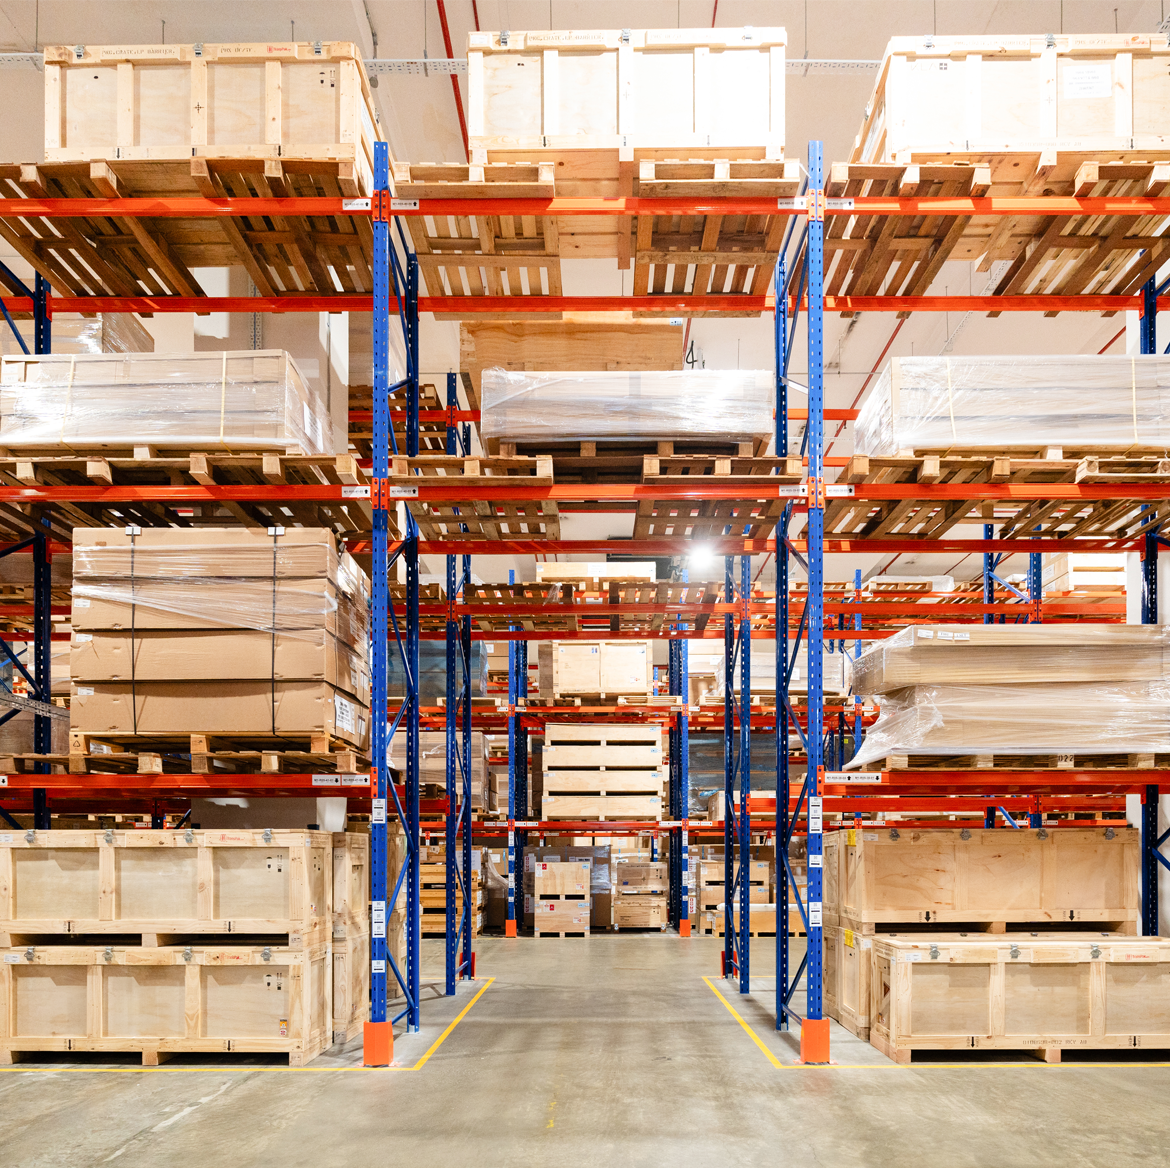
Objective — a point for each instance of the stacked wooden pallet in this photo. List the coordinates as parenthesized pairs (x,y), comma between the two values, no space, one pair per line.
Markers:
(70,980)
(929,886)
(605,771)
(433,899)
(557,897)
(583,113)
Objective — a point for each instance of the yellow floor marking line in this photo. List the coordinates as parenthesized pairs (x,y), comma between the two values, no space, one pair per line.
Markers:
(210,1070)
(751,1033)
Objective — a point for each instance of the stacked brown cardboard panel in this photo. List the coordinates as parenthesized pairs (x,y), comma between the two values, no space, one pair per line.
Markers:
(277,620)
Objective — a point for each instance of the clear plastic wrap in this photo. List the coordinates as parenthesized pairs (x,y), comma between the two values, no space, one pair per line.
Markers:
(1006,403)
(836,668)
(706,403)
(1068,718)
(253,400)
(1014,654)
(110,332)
(293,583)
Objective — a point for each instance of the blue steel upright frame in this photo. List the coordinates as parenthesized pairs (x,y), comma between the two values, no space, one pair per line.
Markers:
(401,272)
(680,789)
(517,764)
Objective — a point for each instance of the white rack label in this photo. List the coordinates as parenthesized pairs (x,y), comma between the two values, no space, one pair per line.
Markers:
(377,966)
(838,204)
(395,492)
(795,491)
(355,204)
(815,807)
(814,914)
(378,810)
(816,861)
(839,491)
(354,492)
(853,776)
(378,918)
(799,203)
(359,780)
(404,204)
(3,780)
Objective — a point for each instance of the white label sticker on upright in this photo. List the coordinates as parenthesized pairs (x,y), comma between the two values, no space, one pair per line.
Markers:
(377,966)
(378,918)
(814,913)
(815,807)
(816,861)
(378,810)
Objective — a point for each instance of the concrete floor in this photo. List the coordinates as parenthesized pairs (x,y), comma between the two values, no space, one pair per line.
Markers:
(606,1051)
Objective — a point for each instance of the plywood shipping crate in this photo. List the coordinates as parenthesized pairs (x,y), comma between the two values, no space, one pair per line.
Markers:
(433,898)
(713,93)
(351,929)
(640,911)
(166,883)
(601,669)
(1102,572)
(1090,992)
(938,97)
(875,878)
(761,918)
(164,1001)
(603,771)
(295,101)
(848,961)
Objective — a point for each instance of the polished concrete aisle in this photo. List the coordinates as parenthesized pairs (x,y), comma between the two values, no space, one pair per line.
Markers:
(607,1051)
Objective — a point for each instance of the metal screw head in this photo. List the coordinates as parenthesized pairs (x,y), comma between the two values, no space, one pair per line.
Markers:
(30,836)
(1015,951)
(268,835)
(266,954)
(965,834)
(188,836)
(894,833)
(1109,833)
(29,953)
(1095,951)
(109,953)
(187,954)
(934,952)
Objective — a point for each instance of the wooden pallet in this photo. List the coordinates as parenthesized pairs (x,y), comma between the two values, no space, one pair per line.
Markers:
(101,256)
(1118,761)
(930,518)
(432,435)
(609,460)
(143,466)
(202,754)
(546,933)
(901,255)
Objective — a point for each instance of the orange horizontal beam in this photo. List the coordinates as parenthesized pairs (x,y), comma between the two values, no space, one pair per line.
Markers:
(197,207)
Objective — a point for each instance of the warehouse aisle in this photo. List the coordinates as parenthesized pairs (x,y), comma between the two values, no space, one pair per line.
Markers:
(606,1051)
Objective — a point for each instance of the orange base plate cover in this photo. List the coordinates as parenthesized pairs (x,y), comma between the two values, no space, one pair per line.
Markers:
(377,1044)
(814,1040)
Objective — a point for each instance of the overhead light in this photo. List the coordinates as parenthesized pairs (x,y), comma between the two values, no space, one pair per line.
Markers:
(701,557)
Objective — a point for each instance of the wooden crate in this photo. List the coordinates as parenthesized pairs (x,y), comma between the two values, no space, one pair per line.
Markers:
(166,883)
(986,96)
(641,878)
(761,916)
(564,95)
(1041,994)
(351,985)
(289,101)
(557,917)
(166,1000)
(604,669)
(640,910)
(975,875)
(566,879)
(848,959)
(602,771)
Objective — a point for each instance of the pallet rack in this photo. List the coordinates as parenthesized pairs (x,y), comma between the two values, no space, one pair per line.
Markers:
(396,293)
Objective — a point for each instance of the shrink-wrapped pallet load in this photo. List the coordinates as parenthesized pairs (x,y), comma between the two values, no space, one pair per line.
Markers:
(220,402)
(730,405)
(1005,404)
(232,631)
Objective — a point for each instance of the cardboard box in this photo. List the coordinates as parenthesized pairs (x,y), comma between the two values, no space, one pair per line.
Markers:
(207,655)
(221,707)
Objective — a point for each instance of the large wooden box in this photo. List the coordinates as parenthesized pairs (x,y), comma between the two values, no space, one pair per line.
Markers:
(293,101)
(716,93)
(981,875)
(602,771)
(937,97)
(596,668)
(1042,994)
(166,883)
(165,1001)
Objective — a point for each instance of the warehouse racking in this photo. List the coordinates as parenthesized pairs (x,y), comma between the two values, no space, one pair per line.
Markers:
(396,291)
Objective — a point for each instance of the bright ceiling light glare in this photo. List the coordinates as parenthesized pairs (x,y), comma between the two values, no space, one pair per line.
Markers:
(701,557)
